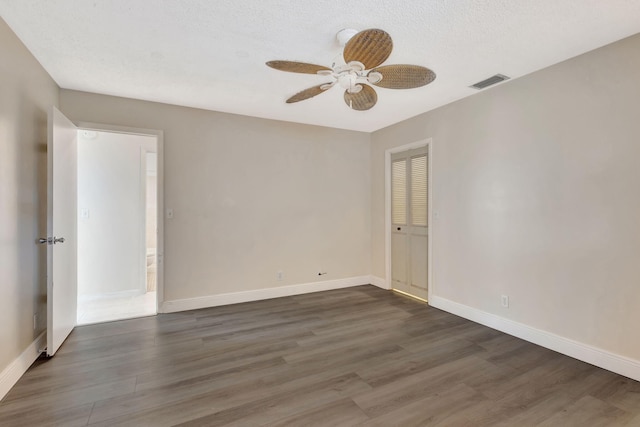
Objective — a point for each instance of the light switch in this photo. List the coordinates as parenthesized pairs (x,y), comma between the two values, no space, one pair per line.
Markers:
(169,213)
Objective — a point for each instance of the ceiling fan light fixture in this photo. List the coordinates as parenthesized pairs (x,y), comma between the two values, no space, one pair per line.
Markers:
(374,77)
(356,66)
(355,89)
(328,85)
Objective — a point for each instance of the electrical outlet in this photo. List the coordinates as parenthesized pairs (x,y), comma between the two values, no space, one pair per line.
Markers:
(504,300)
(279,275)
(169,213)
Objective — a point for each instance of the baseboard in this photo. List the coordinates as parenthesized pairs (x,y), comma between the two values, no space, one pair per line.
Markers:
(379,282)
(12,373)
(593,355)
(261,294)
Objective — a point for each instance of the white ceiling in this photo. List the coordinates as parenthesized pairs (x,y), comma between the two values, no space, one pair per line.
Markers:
(211,54)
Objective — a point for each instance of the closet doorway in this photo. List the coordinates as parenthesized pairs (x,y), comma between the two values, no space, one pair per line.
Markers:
(408,218)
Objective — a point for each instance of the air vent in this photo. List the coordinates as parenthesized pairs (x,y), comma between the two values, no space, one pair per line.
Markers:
(490,81)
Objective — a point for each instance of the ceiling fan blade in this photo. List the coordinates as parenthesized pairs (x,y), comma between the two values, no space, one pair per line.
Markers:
(308,93)
(363,100)
(404,76)
(297,67)
(370,47)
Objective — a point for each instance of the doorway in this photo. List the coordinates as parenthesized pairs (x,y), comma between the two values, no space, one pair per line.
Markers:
(408,219)
(117,225)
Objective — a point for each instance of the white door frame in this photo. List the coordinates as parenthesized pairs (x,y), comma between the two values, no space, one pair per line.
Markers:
(159,135)
(387,210)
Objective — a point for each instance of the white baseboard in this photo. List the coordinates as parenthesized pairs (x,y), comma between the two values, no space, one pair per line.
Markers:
(593,355)
(12,373)
(261,294)
(379,282)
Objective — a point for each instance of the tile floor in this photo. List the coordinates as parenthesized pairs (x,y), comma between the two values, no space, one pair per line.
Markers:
(106,308)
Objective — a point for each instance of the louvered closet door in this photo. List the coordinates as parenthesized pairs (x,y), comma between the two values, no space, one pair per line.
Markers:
(409,221)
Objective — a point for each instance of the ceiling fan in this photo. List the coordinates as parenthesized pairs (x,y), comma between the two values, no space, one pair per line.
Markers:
(363,54)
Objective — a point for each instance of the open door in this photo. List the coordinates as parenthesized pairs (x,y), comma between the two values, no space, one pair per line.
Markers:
(61,229)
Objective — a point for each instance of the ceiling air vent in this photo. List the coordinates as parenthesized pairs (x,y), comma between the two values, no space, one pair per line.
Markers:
(490,81)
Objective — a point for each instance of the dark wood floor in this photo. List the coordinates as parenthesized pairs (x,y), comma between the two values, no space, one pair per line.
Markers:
(358,356)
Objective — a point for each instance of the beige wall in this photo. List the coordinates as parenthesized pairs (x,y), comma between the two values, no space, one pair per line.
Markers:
(26,93)
(536,191)
(250,196)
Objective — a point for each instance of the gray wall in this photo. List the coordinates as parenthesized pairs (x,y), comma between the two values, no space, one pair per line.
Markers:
(536,190)
(26,93)
(250,196)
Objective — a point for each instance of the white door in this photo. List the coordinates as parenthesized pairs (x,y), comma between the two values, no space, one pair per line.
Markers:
(61,229)
(409,222)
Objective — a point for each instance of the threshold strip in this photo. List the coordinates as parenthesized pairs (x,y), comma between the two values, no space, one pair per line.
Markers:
(411,296)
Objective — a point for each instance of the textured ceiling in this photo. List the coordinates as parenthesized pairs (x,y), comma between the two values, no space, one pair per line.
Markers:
(211,54)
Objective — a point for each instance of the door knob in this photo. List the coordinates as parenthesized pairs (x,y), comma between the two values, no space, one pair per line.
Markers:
(44,241)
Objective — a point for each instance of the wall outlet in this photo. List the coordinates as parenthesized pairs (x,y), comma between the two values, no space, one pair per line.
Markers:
(504,301)
(169,213)
(279,275)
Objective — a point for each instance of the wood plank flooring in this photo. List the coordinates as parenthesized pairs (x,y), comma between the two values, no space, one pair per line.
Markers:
(353,357)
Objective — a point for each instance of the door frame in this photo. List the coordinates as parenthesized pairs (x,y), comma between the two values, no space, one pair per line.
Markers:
(159,135)
(428,142)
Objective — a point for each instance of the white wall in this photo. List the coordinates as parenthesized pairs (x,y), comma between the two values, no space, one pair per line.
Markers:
(26,93)
(536,187)
(111,242)
(250,196)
